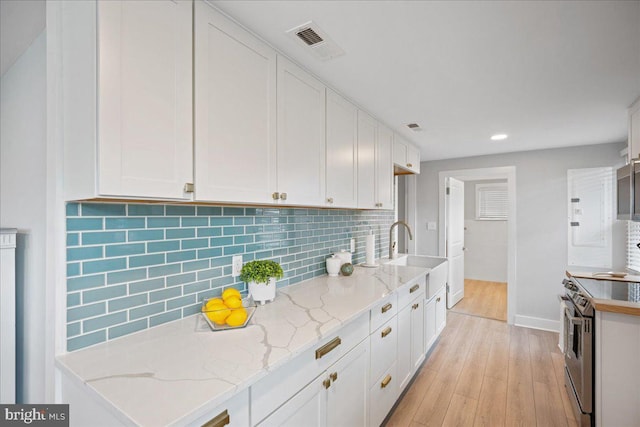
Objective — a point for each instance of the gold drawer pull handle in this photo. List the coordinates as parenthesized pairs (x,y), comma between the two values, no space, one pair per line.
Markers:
(416,305)
(386,307)
(438,300)
(325,349)
(326,383)
(220,420)
(334,376)
(414,288)
(385,382)
(409,165)
(386,331)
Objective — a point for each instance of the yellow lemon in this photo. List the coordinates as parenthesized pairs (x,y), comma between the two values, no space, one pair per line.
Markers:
(218,313)
(231,292)
(233,302)
(237,317)
(212,302)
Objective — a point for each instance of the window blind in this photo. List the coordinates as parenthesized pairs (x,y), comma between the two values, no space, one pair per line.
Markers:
(633,238)
(491,201)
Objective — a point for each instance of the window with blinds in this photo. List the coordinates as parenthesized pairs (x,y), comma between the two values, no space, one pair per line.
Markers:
(491,201)
(633,238)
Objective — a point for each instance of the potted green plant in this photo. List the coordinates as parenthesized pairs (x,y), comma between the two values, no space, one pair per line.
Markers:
(261,276)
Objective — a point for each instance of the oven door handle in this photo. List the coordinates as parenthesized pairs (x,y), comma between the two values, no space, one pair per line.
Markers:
(573,320)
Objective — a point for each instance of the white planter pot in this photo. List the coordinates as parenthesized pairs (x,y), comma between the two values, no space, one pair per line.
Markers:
(261,292)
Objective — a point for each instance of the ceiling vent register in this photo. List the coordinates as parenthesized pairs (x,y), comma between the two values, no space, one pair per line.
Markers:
(316,40)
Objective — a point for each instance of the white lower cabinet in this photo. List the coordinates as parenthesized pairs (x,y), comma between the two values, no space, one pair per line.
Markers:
(441,310)
(435,317)
(382,395)
(338,397)
(384,348)
(233,413)
(410,339)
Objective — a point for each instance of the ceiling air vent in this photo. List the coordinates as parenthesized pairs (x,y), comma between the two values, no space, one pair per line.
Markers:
(317,41)
(414,127)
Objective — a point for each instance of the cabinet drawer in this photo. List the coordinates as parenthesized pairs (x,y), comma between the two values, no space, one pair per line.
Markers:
(382,395)
(408,292)
(234,412)
(384,348)
(383,311)
(280,385)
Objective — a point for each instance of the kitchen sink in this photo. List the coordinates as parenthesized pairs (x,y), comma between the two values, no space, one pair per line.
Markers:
(438,269)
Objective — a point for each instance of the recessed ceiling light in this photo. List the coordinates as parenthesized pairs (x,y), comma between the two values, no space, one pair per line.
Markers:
(499,137)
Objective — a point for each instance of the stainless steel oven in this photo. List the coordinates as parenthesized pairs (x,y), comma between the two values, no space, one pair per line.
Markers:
(579,351)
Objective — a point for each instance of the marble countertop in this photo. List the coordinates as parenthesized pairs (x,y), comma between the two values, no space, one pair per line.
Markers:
(179,371)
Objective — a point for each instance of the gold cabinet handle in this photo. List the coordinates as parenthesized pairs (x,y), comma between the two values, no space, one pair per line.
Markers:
(325,349)
(386,307)
(188,187)
(334,376)
(220,420)
(438,299)
(414,288)
(283,196)
(416,305)
(326,383)
(385,382)
(409,165)
(275,196)
(386,331)
(330,200)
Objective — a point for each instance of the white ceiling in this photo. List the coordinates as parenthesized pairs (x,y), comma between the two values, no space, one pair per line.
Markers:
(21,21)
(548,73)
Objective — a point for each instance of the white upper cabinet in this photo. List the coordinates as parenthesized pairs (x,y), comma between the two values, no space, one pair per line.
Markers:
(367,135)
(235,112)
(406,157)
(127,99)
(384,168)
(342,146)
(634,130)
(301,136)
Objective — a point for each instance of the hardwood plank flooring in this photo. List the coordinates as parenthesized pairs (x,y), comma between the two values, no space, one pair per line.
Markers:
(484,372)
(484,299)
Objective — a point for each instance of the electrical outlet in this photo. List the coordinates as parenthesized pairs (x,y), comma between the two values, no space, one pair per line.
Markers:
(237,265)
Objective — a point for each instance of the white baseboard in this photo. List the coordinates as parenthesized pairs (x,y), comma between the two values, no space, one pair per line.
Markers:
(537,323)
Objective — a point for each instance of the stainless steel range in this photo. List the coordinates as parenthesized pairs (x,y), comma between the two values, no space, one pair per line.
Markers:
(579,351)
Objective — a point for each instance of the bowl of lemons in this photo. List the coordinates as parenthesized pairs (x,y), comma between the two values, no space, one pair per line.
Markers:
(228,311)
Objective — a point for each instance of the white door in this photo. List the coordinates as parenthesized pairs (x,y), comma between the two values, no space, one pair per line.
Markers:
(590,221)
(454,208)
(301,136)
(384,168)
(342,145)
(347,399)
(145,132)
(235,112)
(366,161)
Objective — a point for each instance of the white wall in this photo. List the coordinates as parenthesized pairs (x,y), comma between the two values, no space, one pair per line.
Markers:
(23,206)
(541,215)
(485,257)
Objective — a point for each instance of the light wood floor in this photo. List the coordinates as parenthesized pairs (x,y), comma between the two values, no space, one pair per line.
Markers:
(484,372)
(485,299)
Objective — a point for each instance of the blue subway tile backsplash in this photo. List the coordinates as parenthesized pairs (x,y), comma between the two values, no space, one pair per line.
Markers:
(135,266)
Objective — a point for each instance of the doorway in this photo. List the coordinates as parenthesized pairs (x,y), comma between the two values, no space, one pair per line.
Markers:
(490,295)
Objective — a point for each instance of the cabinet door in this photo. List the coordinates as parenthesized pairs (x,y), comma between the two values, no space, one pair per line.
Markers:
(301,136)
(384,349)
(429,323)
(634,130)
(367,127)
(235,112)
(399,151)
(403,363)
(417,333)
(413,159)
(306,408)
(347,399)
(145,135)
(441,311)
(342,168)
(384,168)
